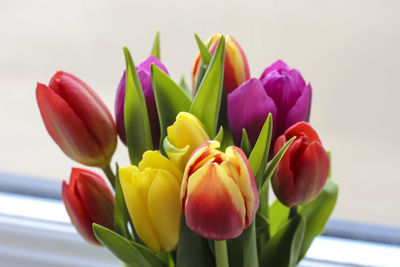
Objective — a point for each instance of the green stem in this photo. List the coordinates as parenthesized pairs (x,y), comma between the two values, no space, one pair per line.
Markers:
(221,253)
(110,175)
(292,212)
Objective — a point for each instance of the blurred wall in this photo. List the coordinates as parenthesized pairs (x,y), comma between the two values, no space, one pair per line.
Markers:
(348,50)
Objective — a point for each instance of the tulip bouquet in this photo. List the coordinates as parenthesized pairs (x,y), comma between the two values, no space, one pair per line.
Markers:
(203,160)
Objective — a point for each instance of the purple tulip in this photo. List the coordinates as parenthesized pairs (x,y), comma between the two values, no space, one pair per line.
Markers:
(248,108)
(281,91)
(143,71)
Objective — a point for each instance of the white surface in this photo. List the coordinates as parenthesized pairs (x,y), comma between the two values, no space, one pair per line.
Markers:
(45,238)
(347,49)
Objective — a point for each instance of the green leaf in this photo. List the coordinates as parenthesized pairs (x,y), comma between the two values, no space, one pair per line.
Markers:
(205,54)
(193,250)
(243,249)
(259,155)
(137,125)
(278,215)
(121,215)
(245,143)
(154,259)
(220,135)
(183,84)
(282,250)
(262,224)
(156,46)
(317,213)
(271,167)
(207,101)
(120,247)
(170,99)
(203,64)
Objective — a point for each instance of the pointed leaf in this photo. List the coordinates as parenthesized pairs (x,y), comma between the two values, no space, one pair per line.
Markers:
(317,213)
(259,155)
(183,84)
(245,143)
(120,247)
(193,250)
(220,135)
(156,46)
(170,99)
(205,54)
(207,101)
(137,125)
(282,250)
(269,171)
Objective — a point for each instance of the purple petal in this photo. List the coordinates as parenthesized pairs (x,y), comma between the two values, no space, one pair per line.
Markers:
(279,64)
(152,60)
(248,108)
(301,109)
(119,108)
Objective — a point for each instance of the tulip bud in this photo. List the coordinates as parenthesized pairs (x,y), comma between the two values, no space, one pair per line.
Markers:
(218,192)
(290,94)
(143,71)
(151,193)
(88,200)
(302,172)
(236,69)
(186,134)
(77,119)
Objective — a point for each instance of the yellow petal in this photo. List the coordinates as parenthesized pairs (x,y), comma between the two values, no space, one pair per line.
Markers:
(243,180)
(187,130)
(165,209)
(135,188)
(155,160)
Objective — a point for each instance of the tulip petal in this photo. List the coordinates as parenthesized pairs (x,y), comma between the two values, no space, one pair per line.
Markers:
(95,196)
(312,172)
(77,213)
(279,64)
(165,209)
(246,182)
(302,129)
(248,108)
(301,109)
(67,129)
(135,187)
(88,106)
(153,159)
(146,65)
(218,211)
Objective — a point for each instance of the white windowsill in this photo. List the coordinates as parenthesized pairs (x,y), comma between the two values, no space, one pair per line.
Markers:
(37,232)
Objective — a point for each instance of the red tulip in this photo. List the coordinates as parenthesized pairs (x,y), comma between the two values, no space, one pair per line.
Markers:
(77,119)
(88,200)
(303,170)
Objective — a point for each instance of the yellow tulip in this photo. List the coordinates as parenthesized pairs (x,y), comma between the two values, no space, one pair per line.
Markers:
(151,193)
(184,136)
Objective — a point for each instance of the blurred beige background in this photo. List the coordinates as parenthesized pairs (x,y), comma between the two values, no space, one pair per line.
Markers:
(349,50)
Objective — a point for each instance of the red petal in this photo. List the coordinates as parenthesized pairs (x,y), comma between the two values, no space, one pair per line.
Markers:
(66,128)
(77,213)
(302,129)
(312,173)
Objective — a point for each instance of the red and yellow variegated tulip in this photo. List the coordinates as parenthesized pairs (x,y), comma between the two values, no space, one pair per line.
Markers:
(236,67)
(88,200)
(151,193)
(303,170)
(218,192)
(77,119)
